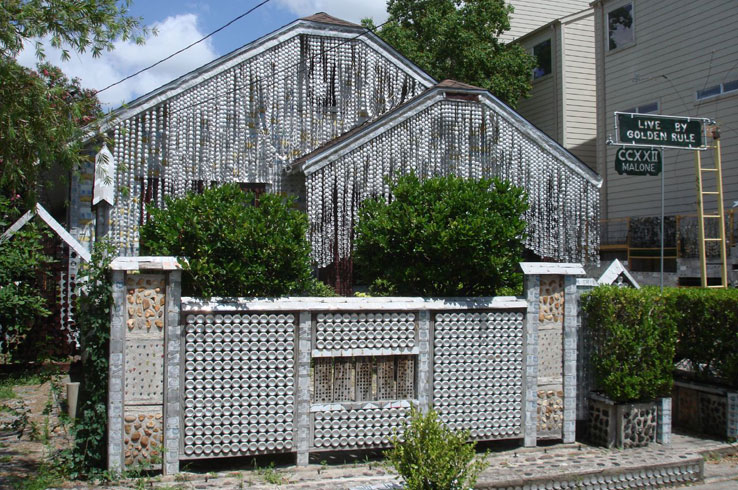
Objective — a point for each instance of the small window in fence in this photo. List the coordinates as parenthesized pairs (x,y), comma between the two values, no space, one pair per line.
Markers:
(346,379)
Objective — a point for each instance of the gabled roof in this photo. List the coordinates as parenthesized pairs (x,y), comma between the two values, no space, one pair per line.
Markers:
(317,24)
(325,154)
(614,271)
(328,19)
(53,224)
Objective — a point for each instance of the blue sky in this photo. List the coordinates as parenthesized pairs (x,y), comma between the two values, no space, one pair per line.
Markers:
(182,22)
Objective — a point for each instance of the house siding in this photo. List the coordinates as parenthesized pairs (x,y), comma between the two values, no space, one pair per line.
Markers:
(529,15)
(680,47)
(563,104)
(579,87)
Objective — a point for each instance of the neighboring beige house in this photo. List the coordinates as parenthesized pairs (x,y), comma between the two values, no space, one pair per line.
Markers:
(676,58)
(529,15)
(563,99)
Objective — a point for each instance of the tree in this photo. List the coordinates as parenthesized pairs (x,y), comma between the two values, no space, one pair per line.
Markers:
(41,113)
(446,236)
(232,246)
(459,40)
(92,24)
(40,118)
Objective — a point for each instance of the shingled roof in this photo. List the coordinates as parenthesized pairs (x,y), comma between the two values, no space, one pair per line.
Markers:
(324,18)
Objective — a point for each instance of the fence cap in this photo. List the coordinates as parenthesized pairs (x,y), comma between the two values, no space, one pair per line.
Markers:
(296,303)
(538,268)
(145,264)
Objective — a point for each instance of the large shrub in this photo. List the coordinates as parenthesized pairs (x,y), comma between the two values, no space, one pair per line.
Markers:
(445,236)
(233,246)
(634,340)
(22,262)
(707,322)
(430,456)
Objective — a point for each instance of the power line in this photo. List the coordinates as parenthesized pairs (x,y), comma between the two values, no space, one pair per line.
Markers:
(244,85)
(185,48)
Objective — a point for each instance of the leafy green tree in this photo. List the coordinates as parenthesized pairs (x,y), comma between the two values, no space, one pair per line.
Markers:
(92,24)
(21,258)
(459,40)
(41,113)
(445,236)
(232,246)
(430,456)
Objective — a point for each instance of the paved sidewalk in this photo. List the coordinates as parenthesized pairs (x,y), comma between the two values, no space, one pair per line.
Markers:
(555,467)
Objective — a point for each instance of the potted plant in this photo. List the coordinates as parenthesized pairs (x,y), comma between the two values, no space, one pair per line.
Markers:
(633,342)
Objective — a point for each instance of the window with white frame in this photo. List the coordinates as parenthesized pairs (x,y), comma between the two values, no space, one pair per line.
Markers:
(542,54)
(620,26)
(716,90)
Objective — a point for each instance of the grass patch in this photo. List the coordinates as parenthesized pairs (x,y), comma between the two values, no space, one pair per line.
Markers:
(6,392)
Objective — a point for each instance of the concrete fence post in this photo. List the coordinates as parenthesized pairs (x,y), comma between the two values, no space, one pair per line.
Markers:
(144,381)
(302,398)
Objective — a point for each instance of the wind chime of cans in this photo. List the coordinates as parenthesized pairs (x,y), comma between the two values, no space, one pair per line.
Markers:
(245,123)
(463,138)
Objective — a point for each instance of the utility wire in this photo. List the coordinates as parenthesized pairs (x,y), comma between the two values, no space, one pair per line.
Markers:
(185,48)
(276,72)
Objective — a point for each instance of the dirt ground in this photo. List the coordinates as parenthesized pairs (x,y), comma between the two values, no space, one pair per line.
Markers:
(31,428)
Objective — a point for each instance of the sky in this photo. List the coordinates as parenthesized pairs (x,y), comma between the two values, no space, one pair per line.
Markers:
(181,22)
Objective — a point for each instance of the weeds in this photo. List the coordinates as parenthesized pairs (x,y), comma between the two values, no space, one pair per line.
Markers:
(270,474)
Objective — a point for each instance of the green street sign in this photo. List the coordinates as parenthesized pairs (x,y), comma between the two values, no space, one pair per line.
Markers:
(646,129)
(638,161)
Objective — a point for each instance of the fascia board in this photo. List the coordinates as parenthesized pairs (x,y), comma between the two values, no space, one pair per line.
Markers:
(247,52)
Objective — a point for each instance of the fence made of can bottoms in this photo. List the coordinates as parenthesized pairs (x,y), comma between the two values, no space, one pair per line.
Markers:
(198,379)
(350,368)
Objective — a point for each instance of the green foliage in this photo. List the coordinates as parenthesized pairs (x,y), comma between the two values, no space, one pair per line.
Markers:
(92,25)
(707,321)
(445,236)
(40,118)
(459,40)
(22,261)
(634,340)
(93,320)
(41,112)
(232,246)
(430,456)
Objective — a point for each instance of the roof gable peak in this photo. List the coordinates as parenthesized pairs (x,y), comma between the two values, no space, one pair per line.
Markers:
(324,18)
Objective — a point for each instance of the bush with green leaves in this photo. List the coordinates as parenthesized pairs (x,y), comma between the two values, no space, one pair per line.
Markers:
(430,456)
(634,341)
(707,322)
(22,261)
(444,236)
(233,246)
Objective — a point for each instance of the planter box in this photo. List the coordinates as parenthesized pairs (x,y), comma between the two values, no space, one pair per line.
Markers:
(706,409)
(628,425)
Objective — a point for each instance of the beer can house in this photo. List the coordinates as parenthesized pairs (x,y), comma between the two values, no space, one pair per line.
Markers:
(323,109)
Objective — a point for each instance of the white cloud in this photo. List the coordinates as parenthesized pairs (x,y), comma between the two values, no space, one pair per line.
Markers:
(127,57)
(350,10)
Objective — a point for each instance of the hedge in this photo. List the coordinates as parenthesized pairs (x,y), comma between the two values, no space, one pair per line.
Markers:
(707,321)
(634,341)
(638,336)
